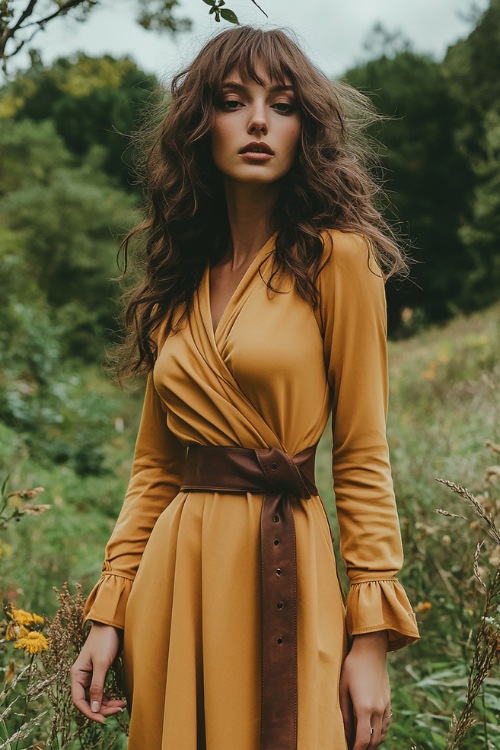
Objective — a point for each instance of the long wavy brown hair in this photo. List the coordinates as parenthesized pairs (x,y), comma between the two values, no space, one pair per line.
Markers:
(330,185)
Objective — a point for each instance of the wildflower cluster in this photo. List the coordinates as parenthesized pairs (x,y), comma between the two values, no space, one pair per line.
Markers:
(25,629)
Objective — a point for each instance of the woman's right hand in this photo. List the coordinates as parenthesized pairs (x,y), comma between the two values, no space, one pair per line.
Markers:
(88,673)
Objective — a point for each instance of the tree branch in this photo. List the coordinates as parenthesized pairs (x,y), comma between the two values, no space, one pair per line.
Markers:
(19,25)
(21,44)
(24,15)
(261,9)
(59,12)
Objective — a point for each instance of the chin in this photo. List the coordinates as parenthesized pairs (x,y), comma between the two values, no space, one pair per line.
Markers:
(257,178)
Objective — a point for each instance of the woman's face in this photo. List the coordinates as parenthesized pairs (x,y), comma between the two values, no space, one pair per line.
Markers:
(256,129)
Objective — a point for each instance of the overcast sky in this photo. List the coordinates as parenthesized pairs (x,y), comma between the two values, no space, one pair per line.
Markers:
(332,32)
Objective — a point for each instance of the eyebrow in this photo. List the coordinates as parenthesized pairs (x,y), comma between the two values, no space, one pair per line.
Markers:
(234,86)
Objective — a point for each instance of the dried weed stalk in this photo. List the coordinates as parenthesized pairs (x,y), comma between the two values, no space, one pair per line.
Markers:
(487,638)
(66,634)
(9,703)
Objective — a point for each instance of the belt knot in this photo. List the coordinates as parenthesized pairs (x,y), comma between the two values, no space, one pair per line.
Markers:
(283,473)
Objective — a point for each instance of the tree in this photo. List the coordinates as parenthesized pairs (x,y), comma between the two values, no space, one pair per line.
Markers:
(90,100)
(426,175)
(472,69)
(21,20)
(481,235)
(61,220)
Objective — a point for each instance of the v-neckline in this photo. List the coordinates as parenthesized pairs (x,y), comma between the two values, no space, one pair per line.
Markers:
(236,292)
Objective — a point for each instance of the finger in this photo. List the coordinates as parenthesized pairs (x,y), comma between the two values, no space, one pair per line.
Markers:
(80,679)
(111,710)
(110,707)
(386,723)
(376,732)
(347,713)
(363,733)
(112,702)
(97,686)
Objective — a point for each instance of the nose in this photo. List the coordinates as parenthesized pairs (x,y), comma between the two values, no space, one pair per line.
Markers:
(257,122)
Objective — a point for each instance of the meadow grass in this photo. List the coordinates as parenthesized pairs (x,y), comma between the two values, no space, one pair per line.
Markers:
(444,406)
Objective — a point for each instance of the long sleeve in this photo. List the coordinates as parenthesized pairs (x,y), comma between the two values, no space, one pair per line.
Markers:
(353,319)
(155,480)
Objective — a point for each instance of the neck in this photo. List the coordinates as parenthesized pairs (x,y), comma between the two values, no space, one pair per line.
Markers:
(249,209)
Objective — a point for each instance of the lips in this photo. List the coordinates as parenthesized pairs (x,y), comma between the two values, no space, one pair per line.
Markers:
(257,147)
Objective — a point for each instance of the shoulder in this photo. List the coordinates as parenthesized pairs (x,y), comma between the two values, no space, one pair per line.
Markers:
(350,283)
(347,255)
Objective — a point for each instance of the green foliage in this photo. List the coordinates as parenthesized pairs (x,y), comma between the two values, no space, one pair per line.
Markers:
(480,235)
(441,158)
(218,11)
(84,491)
(66,216)
(90,101)
(426,176)
(158,15)
(58,227)
(472,68)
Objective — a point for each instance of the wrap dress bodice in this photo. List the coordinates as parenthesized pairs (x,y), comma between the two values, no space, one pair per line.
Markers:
(181,569)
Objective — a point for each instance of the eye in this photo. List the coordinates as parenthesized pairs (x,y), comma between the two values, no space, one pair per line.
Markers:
(284,108)
(228,105)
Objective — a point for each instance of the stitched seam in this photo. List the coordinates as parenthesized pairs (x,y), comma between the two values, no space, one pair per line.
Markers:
(226,490)
(108,573)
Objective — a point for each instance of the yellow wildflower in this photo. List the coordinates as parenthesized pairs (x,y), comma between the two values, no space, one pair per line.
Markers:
(33,643)
(22,617)
(37,619)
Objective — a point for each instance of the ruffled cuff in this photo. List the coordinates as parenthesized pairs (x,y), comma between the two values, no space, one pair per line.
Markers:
(381,605)
(108,600)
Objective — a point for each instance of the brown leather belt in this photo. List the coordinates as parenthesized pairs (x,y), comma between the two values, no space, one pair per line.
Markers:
(280,478)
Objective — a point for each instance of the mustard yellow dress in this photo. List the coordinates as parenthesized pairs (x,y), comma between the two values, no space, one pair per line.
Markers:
(182,570)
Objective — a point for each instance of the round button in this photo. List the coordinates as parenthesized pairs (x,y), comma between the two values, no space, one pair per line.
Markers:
(279,641)
(280,605)
(278,571)
(276,542)
(276,518)
(274,467)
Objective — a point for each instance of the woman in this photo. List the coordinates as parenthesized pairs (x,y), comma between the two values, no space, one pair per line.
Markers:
(261,312)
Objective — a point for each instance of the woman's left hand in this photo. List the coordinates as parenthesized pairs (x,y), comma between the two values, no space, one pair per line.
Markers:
(365,692)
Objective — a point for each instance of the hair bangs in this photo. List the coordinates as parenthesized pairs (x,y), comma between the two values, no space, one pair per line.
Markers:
(256,49)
